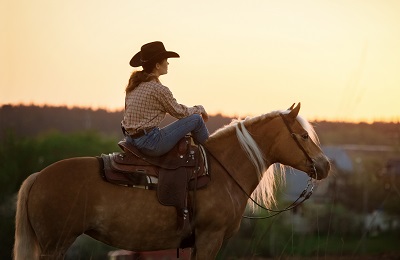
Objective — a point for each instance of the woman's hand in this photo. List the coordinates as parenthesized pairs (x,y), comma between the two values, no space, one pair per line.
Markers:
(204,115)
(203,112)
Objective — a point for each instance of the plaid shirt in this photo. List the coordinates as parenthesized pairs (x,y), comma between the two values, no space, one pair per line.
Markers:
(147,105)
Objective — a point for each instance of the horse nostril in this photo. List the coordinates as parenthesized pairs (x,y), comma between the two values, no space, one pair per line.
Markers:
(319,169)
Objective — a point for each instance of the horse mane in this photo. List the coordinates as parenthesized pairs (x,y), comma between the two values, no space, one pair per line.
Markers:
(265,191)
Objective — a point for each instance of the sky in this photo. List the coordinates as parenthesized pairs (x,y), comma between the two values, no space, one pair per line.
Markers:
(339,58)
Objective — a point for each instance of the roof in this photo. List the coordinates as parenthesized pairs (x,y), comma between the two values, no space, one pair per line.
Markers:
(339,157)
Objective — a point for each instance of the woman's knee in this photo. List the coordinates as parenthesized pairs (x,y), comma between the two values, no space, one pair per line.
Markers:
(197,118)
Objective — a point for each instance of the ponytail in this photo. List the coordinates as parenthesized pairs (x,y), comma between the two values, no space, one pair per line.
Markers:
(138,77)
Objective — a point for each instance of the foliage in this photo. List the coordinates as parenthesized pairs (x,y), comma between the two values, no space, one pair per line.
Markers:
(328,219)
(256,238)
(21,156)
(367,189)
(337,245)
(63,119)
(337,232)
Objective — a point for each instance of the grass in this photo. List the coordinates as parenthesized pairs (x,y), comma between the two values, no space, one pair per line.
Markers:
(313,245)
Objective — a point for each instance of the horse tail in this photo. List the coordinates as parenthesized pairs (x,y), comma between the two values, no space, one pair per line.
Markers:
(26,245)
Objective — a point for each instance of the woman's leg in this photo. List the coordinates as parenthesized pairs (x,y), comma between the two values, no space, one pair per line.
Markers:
(160,141)
(171,134)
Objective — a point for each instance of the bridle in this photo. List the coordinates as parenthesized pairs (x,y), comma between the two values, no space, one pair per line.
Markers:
(293,135)
(305,194)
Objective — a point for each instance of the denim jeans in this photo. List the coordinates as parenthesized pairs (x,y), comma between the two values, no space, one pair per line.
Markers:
(159,141)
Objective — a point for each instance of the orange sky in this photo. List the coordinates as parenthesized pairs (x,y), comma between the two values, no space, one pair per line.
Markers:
(340,59)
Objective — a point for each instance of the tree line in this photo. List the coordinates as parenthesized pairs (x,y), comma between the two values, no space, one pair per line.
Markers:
(33,120)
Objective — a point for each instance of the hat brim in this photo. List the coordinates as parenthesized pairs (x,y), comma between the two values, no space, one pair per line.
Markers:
(137,62)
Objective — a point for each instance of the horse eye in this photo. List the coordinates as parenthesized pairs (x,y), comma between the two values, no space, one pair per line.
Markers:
(305,136)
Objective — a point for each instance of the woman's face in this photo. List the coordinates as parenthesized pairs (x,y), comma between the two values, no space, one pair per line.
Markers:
(162,67)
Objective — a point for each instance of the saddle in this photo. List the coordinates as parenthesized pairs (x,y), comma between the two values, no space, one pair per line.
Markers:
(172,175)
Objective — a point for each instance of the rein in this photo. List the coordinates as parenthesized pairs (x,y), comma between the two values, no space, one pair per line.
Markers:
(305,194)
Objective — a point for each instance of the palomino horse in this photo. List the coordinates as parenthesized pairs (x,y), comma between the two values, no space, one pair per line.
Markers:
(69,197)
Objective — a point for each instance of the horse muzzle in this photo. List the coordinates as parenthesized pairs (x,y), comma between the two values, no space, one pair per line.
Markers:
(320,168)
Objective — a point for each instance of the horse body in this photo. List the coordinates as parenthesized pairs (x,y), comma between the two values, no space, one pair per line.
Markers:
(120,216)
(70,197)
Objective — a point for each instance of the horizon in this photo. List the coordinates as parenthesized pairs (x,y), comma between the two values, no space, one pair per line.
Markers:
(94,109)
(340,59)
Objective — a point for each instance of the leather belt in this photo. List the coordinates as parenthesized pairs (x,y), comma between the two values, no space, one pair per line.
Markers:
(141,132)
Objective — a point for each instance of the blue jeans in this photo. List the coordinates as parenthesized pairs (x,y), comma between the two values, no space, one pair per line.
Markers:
(159,141)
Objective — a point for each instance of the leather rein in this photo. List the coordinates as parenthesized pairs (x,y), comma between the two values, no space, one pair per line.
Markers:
(305,194)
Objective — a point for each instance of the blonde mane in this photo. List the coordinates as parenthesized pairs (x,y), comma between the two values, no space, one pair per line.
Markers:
(265,191)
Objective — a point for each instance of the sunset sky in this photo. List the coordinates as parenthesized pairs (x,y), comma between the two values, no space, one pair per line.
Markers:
(339,58)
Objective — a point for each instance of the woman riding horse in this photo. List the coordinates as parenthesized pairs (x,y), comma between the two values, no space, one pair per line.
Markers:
(147,101)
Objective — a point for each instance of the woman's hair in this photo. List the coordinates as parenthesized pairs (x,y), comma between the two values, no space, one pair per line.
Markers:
(144,75)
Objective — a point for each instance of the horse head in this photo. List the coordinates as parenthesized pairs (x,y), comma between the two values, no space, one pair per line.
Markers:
(298,145)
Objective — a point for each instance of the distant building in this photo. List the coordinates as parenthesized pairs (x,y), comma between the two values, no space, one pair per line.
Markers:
(342,166)
(325,190)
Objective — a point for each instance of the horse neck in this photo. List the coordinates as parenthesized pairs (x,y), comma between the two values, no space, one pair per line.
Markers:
(265,134)
(228,151)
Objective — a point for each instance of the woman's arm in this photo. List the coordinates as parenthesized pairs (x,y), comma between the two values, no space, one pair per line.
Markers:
(175,109)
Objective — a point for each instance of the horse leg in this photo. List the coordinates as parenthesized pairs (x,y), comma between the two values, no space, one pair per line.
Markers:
(207,245)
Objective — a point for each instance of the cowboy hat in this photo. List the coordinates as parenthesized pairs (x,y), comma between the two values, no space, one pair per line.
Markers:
(153,51)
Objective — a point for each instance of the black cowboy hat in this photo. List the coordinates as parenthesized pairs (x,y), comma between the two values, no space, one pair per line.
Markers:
(153,51)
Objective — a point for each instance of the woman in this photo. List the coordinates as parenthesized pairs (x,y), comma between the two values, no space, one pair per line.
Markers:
(147,101)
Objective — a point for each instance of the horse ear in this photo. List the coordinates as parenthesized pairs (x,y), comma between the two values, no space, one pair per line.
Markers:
(290,108)
(295,111)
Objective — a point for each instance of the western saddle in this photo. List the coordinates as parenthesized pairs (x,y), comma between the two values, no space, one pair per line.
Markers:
(172,175)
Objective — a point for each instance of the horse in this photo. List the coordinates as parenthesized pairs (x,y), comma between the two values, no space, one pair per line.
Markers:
(70,197)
